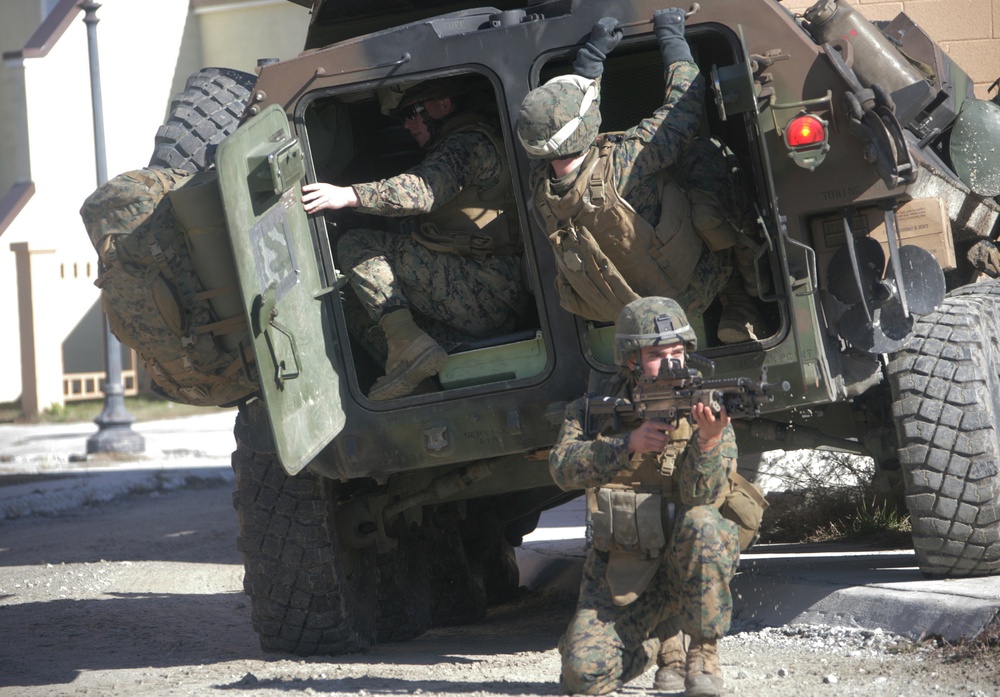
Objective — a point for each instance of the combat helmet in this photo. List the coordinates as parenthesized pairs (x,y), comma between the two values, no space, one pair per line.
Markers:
(561,118)
(651,321)
(394,98)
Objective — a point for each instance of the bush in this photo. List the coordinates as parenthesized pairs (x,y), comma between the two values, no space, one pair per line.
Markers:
(820,497)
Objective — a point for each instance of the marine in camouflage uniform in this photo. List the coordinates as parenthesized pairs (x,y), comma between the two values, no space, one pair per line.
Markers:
(652,237)
(454,259)
(639,582)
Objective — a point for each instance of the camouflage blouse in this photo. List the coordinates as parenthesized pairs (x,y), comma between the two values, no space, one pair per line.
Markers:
(461,159)
(579,461)
(658,141)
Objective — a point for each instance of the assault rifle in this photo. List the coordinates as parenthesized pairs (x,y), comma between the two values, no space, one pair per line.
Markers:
(672,394)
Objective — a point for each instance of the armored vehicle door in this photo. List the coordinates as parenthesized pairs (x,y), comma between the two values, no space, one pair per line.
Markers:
(284,289)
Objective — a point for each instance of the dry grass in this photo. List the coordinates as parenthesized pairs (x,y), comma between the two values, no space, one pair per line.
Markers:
(854,514)
(813,510)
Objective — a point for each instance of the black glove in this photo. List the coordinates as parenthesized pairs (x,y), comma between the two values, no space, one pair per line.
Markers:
(668,26)
(603,38)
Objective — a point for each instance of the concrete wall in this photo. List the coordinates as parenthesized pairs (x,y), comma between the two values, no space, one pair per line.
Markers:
(147,50)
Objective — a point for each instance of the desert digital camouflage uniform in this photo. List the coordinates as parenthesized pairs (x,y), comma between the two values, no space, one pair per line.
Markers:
(607,645)
(468,296)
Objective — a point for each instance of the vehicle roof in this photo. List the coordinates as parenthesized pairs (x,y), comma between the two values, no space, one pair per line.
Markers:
(339,20)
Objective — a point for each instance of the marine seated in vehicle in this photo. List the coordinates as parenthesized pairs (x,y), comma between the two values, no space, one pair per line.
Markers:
(451,271)
(655,210)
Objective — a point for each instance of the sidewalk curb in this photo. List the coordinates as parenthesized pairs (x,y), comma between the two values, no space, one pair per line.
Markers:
(64,491)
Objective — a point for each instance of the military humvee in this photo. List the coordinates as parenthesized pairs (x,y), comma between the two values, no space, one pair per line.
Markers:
(874,173)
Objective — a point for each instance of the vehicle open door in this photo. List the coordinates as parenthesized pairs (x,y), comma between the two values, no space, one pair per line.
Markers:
(284,289)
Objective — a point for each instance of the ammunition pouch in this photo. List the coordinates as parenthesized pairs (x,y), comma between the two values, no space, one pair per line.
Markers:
(744,505)
(629,526)
(495,238)
(625,520)
(588,282)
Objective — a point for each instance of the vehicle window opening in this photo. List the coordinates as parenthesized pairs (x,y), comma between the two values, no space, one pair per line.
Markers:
(352,140)
(632,89)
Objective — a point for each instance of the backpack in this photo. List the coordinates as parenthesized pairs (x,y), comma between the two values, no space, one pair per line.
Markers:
(168,283)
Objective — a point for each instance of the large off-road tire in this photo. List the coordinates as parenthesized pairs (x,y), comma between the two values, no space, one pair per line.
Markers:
(208,110)
(404,591)
(501,575)
(310,593)
(457,587)
(946,403)
(492,556)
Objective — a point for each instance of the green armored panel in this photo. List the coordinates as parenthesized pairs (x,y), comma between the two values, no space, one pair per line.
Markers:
(282,286)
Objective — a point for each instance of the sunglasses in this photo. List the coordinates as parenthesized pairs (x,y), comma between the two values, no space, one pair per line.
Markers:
(412,111)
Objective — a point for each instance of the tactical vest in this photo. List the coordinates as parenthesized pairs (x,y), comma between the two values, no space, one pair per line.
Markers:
(632,516)
(606,254)
(632,513)
(475,223)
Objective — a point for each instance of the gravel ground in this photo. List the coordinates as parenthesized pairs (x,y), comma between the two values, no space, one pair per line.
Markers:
(143,596)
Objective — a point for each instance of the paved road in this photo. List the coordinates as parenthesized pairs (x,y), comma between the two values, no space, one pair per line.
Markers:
(831,585)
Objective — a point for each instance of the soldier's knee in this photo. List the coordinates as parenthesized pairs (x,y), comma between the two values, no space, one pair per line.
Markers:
(585,674)
(704,524)
(703,516)
(349,242)
(583,683)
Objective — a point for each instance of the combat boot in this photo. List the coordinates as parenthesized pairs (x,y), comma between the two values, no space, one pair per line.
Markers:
(704,676)
(671,661)
(740,320)
(413,356)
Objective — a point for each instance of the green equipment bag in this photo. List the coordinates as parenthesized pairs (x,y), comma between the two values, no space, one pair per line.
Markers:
(168,283)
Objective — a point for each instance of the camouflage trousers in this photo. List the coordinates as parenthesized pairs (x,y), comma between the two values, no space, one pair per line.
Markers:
(476,297)
(606,646)
(711,274)
(710,167)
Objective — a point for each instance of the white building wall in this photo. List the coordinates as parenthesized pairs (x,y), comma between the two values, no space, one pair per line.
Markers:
(146,52)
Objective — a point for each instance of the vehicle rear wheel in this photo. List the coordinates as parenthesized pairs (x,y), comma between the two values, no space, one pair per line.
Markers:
(311,594)
(501,575)
(491,552)
(457,586)
(404,591)
(208,110)
(946,402)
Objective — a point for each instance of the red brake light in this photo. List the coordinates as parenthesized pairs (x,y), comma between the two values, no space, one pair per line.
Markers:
(805,130)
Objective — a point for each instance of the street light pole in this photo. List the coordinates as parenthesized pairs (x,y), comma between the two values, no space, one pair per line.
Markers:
(115,434)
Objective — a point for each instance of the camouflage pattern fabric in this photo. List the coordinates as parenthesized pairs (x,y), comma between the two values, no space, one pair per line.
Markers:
(605,645)
(152,295)
(476,298)
(546,109)
(709,165)
(657,143)
(388,270)
(460,160)
(711,274)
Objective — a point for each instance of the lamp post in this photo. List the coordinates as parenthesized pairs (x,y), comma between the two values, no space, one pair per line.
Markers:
(115,434)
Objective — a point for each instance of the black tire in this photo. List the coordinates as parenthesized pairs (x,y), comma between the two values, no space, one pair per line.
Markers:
(310,594)
(457,588)
(946,402)
(404,591)
(208,110)
(501,575)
